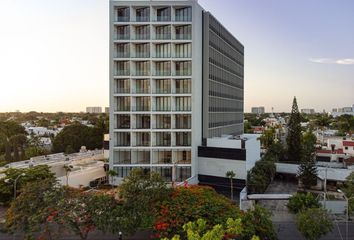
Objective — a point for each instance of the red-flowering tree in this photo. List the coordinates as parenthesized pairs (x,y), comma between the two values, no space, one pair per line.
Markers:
(188,204)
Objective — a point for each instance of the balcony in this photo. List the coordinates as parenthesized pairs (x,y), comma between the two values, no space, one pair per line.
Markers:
(122,73)
(122,19)
(163,36)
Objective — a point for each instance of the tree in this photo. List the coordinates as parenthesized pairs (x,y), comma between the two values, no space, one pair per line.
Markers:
(67,169)
(190,203)
(258,222)
(231,175)
(308,170)
(34,174)
(294,135)
(267,138)
(28,213)
(72,137)
(141,192)
(11,136)
(314,223)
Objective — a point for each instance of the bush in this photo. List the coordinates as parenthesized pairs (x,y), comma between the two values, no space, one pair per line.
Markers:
(261,175)
(314,223)
(301,201)
(188,204)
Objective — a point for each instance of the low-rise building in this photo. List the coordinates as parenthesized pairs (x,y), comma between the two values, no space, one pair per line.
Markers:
(308,111)
(258,110)
(93,109)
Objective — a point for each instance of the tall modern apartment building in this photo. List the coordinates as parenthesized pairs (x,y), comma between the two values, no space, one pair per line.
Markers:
(176,80)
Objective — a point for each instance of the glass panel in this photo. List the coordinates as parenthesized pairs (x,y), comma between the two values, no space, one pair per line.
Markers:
(162,157)
(183,86)
(183,50)
(143,15)
(123,14)
(142,68)
(183,139)
(184,14)
(143,139)
(123,139)
(142,121)
(163,32)
(163,104)
(163,121)
(183,173)
(122,68)
(123,104)
(184,32)
(122,157)
(183,121)
(142,104)
(163,50)
(122,50)
(140,157)
(183,157)
(165,172)
(163,86)
(142,86)
(183,68)
(183,104)
(163,139)
(122,32)
(123,121)
(163,69)
(142,32)
(122,86)
(163,14)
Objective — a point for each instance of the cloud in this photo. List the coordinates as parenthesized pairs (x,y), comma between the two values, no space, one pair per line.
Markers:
(340,61)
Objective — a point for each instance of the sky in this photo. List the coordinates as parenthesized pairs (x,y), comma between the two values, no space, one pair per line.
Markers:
(54,54)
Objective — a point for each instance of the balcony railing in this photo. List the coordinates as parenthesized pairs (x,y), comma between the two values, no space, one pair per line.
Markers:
(142,18)
(122,55)
(183,73)
(122,37)
(123,109)
(183,18)
(122,73)
(183,37)
(141,37)
(141,73)
(141,109)
(141,90)
(163,36)
(142,55)
(123,19)
(162,91)
(163,18)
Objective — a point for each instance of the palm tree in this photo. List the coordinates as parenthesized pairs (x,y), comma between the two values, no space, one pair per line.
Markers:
(231,175)
(112,174)
(67,169)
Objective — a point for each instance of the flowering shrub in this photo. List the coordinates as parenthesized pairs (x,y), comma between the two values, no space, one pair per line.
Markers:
(188,204)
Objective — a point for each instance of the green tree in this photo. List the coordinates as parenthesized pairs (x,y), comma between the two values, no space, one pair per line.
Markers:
(301,201)
(257,222)
(11,138)
(140,192)
(72,137)
(231,175)
(34,174)
(267,138)
(293,139)
(308,169)
(313,223)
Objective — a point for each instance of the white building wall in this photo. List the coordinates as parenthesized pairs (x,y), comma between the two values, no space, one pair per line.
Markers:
(218,167)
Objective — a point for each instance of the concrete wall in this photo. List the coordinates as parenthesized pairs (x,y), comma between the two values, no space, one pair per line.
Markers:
(218,167)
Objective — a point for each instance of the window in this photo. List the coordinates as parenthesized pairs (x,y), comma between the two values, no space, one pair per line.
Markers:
(184,50)
(142,50)
(184,14)
(123,121)
(163,50)
(142,68)
(183,139)
(141,157)
(122,157)
(122,32)
(184,32)
(183,68)
(122,86)
(122,68)
(163,104)
(183,121)
(163,32)
(163,86)
(163,69)
(143,14)
(163,121)
(163,139)
(183,104)
(143,139)
(142,32)
(122,139)
(123,14)
(142,104)
(142,86)
(122,50)
(123,104)
(163,14)
(183,86)
(183,173)
(183,157)
(142,121)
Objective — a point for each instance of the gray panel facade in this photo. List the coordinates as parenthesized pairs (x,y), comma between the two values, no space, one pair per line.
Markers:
(223,80)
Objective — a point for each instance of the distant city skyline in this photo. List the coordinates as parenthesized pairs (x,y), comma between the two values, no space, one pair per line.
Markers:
(54,54)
